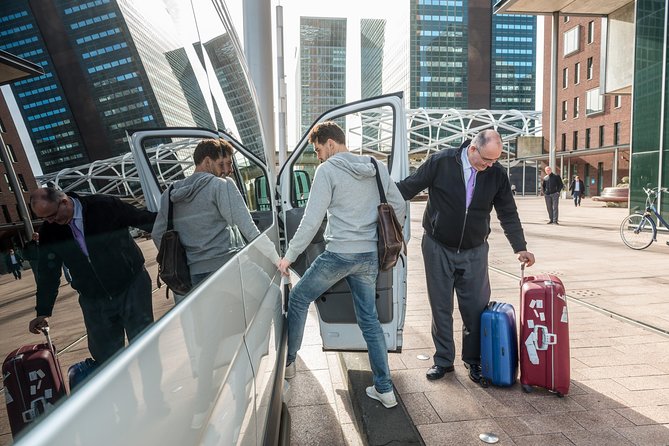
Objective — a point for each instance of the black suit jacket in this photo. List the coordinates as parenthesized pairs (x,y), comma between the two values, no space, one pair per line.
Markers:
(114,257)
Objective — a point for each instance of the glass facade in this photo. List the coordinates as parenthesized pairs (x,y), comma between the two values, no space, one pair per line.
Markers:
(444,56)
(372,37)
(322,67)
(439,53)
(650,117)
(513,62)
(115,65)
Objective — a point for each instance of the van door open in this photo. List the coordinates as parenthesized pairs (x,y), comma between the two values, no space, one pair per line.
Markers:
(374,127)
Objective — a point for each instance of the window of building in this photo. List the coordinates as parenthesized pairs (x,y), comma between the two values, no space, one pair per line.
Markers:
(2,127)
(601,136)
(589,68)
(618,100)
(617,128)
(9,185)
(577,73)
(587,138)
(594,102)
(564,142)
(5,212)
(571,40)
(591,31)
(576,107)
(564,110)
(565,18)
(565,77)
(12,155)
(22,182)
(574,142)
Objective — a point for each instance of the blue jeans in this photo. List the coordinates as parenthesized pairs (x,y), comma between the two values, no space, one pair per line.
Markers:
(360,271)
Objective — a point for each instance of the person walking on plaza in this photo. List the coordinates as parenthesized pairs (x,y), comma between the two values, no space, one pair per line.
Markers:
(577,188)
(90,236)
(551,187)
(464,185)
(351,247)
(14,263)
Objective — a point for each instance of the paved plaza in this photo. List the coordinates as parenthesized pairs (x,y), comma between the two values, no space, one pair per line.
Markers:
(619,367)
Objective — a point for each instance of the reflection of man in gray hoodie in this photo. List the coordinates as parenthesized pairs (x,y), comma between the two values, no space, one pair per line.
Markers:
(345,190)
(207,210)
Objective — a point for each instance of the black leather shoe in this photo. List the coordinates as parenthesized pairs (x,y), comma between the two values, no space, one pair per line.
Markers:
(474,372)
(437,371)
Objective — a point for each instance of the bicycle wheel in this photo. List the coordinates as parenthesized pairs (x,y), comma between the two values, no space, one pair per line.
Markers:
(637,231)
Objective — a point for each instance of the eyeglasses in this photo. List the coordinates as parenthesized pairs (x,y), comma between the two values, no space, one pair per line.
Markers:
(487,160)
(52,216)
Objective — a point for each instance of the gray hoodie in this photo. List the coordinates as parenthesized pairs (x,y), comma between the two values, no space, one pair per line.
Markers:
(345,189)
(206,209)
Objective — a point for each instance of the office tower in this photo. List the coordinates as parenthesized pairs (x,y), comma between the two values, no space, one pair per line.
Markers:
(372,38)
(108,68)
(462,57)
(322,67)
(513,63)
(232,80)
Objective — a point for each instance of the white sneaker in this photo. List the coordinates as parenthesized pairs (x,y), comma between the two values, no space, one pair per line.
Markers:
(387,399)
(290,371)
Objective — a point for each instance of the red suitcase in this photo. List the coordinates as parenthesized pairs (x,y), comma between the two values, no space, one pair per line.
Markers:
(33,383)
(544,334)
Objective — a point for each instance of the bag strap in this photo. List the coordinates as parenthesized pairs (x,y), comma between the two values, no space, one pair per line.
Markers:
(382,194)
(170,209)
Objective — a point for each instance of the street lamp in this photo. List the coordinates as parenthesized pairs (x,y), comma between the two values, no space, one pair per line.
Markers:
(13,68)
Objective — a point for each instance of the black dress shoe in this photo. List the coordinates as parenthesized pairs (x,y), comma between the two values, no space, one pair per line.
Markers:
(437,371)
(474,372)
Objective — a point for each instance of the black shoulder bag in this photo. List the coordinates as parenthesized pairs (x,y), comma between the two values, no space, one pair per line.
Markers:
(172,262)
(391,239)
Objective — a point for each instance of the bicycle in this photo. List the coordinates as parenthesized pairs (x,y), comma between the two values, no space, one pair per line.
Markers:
(638,230)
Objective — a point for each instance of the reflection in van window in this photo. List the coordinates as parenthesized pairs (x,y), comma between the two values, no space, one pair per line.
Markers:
(209,212)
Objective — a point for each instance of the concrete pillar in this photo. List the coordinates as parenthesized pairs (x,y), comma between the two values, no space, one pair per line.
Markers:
(554,79)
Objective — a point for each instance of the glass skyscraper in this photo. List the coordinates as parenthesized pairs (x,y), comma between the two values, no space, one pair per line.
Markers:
(108,68)
(513,62)
(322,67)
(462,57)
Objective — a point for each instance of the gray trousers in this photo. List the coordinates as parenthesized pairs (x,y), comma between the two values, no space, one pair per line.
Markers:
(552,201)
(466,273)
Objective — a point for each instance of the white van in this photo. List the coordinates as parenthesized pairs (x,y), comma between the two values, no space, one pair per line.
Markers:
(229,334)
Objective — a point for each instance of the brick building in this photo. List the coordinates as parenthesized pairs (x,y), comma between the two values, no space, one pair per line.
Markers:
(11,225)
(593,130)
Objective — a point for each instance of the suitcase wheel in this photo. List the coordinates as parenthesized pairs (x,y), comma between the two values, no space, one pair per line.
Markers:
(485,383)
(527,388)
(559,394)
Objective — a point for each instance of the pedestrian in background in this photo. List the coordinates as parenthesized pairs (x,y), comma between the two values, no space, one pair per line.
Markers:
(464,186)
(577,188)
(14,263)
(551,187)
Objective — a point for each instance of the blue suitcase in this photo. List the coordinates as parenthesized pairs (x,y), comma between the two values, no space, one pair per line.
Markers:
(77,373)
(499,345)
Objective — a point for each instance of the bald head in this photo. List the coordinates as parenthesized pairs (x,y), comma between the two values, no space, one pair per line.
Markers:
(52,205)
(485,149)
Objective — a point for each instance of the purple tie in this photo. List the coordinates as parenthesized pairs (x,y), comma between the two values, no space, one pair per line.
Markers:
(79,237)
(470,186)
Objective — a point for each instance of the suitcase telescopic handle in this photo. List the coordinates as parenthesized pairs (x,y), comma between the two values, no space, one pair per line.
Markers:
(45,330)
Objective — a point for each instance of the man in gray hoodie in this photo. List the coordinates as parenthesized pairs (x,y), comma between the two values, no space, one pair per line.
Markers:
(207,210)
(345,190)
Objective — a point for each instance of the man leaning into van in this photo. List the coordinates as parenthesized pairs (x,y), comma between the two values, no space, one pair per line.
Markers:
(345,190)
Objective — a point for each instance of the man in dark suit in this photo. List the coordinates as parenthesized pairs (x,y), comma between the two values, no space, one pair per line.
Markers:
(464,186)
(577,189)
